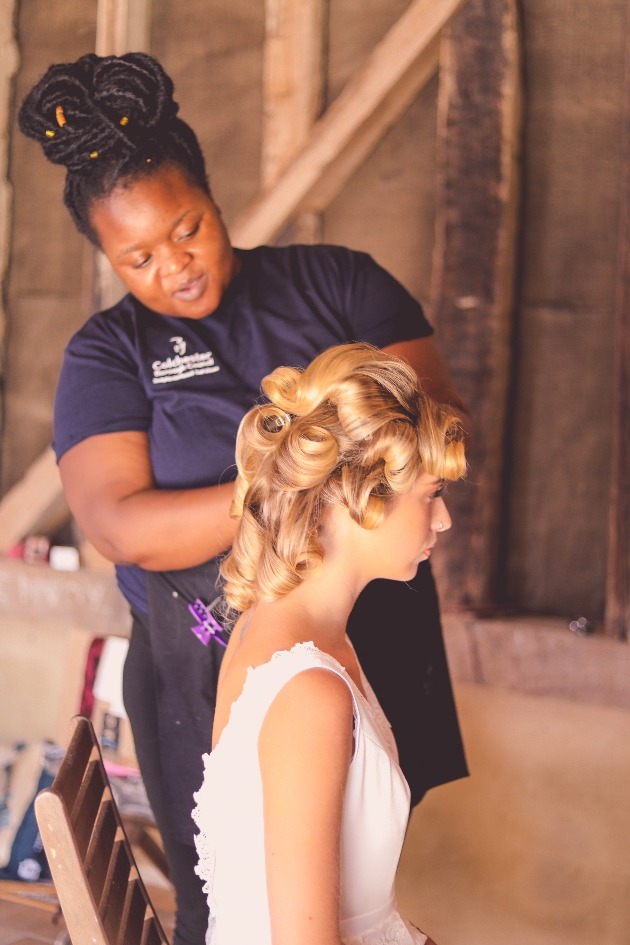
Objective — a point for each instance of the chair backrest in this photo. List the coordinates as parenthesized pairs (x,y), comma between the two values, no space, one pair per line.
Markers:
(102,896)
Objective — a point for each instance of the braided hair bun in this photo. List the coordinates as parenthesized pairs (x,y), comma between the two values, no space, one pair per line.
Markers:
(108,118)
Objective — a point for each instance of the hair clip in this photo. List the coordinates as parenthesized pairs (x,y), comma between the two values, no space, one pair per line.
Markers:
(208,627)
(93,154)
(275,422)
(59,115)
(50,133)
(124,121)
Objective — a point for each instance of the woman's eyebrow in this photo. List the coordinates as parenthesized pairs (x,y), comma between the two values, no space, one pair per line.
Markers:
(137,246)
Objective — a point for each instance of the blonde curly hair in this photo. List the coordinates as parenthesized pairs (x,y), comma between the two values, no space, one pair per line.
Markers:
(353,429)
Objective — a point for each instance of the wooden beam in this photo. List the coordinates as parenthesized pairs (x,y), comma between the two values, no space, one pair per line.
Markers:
(479,121)
(538,655)
(293,93)
(30,500)
(293,80)
(387,66)
(121,26)
(385,115)
(617,611)
(9,60)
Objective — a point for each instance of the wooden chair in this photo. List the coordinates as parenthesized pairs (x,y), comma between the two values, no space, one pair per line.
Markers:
(102,897)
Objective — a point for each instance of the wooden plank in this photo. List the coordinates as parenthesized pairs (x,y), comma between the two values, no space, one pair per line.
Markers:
(88,600)
(121,26)
(32,895)
(9,60)
(474,268)
(617,606)
(31,499)
(540,656)
(293,94)
(79,909)
(388,64)
(385,115)
(293,80)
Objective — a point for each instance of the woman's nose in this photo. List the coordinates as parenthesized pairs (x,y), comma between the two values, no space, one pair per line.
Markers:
(174,263)
(441,519)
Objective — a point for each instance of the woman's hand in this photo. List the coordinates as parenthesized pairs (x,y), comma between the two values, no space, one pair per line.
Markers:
(109,486)
(424,356)
(305,747)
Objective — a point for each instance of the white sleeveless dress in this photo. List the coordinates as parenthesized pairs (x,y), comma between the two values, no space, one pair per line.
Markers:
(229,816)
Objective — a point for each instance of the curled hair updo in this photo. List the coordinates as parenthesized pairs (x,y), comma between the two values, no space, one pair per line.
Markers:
(109,119)
(351,429)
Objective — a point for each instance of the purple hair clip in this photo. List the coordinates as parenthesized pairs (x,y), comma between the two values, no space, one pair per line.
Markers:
(208,627)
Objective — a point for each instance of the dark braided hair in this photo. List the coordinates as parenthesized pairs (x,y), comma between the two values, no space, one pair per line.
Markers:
(109,119)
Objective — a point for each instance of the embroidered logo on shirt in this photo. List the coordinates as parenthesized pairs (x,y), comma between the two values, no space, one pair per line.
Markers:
(183,365)
(179,345)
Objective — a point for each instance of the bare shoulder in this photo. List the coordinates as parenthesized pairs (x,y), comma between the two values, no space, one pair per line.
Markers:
(315,706)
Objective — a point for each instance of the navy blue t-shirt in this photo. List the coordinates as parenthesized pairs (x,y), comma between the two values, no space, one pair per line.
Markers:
(188,382)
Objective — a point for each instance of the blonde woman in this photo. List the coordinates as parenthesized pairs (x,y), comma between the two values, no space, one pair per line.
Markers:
(303,806)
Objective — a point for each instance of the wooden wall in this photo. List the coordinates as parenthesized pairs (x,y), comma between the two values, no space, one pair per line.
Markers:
(555,494)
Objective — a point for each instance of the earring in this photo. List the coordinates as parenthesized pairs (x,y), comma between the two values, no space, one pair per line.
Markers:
(440,526)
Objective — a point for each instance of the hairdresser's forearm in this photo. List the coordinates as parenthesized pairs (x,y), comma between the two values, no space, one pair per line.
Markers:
(109,484)
(167,529)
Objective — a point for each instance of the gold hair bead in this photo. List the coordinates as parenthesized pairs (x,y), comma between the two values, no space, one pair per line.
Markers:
(50,133)
(59,115)
(93,154)
(124,120)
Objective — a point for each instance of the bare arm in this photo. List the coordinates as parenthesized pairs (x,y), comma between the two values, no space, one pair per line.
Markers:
(305,748)
(109,485)
(426,359)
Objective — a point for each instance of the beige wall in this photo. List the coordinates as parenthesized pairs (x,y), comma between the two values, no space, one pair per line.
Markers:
(532,849)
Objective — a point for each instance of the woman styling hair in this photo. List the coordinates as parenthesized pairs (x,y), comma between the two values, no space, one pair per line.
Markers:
(149,400)
(303,807)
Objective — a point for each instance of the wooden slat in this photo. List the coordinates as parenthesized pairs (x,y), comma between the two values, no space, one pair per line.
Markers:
(70,778)
(100,851)
(152,933)
(385,68)
(121,26)
(84,813)
(474,268)
(617,611)
(382,118)
(112,909)
(132,925)
(293,94)
(9,60)
(293,80)
(79,909)
(34,895)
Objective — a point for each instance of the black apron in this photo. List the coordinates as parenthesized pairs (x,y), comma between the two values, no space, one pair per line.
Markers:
(186,666)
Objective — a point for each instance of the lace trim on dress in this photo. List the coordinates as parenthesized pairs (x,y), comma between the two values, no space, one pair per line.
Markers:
(206,849)
(393,930)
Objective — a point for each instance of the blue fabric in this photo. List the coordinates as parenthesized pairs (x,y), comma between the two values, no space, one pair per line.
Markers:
(28,860)
(187,383)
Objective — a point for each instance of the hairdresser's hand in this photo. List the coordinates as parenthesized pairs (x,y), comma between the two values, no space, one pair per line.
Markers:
(109,486)
(426,359)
